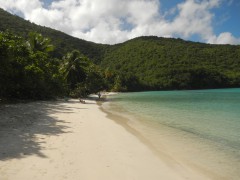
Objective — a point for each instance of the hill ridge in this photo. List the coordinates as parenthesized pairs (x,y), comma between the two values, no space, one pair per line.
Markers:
(148,62)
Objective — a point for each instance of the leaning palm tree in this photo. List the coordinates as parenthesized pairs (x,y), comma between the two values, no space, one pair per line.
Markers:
(36,42)
(74,68)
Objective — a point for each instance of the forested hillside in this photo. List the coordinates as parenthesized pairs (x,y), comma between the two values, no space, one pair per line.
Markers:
(143,63)
(163,63)
(63,42)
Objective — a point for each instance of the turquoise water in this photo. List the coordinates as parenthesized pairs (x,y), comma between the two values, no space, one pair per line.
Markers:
(210,116)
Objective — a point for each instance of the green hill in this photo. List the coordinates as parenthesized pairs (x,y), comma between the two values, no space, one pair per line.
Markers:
(165,63)
(63,42)
(148,63)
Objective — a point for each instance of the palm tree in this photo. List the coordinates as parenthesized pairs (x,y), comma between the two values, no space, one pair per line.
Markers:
(36,42)
(74,68)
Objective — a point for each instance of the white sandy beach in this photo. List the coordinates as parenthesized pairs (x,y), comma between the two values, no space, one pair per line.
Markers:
(58,140)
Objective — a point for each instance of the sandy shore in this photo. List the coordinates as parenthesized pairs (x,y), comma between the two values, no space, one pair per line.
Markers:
(72,141)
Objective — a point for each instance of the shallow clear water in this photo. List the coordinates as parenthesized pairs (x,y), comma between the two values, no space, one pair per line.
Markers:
(210,116)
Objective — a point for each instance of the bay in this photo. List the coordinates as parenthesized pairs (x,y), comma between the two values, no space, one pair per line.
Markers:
(193,123)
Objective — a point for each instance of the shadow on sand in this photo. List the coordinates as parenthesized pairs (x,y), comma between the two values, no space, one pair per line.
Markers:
(20,124)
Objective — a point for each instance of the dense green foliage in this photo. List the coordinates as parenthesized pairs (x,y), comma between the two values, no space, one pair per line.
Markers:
(28,71)
(31,67)
(153,63)
(81,75)
(25,73)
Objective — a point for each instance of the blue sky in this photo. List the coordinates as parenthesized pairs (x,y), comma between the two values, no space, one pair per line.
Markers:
(114,21)
(227,18)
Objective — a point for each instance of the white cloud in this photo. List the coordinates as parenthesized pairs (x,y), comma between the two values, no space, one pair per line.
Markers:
(113,21)
(20,5)
(194,18)
(224,38)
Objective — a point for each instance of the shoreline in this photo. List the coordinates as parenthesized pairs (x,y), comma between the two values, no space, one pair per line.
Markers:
(71,140)
(202,157)
(161,152)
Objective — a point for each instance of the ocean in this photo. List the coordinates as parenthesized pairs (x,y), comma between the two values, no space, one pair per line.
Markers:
(198,127)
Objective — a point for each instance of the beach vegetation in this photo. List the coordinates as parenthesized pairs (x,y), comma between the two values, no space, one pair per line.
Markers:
(82,76)
(25,73)
(40,62)
(28,71)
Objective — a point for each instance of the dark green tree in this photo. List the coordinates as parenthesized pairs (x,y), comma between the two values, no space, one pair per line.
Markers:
(36,42)
(74,68)
(95,82)
(27,74)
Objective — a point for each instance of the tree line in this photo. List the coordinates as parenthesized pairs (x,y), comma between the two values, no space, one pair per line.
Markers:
(28,71)
(143,63)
